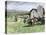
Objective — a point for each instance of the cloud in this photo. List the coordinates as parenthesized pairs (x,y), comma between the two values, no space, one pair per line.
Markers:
(21,5)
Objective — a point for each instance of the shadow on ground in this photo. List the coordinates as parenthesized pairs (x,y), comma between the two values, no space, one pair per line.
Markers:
(33,25)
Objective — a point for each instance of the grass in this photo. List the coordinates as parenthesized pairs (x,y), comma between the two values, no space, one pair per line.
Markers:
(18,27)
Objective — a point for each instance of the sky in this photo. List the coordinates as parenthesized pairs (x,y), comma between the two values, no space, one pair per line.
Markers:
(25,6)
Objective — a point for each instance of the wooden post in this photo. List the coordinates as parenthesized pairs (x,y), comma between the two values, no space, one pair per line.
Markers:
(15,18)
